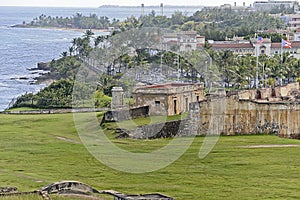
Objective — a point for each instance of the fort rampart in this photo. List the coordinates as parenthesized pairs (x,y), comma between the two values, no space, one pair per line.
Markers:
(230,116)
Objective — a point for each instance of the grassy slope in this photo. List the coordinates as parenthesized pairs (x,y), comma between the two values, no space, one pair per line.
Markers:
(32,156)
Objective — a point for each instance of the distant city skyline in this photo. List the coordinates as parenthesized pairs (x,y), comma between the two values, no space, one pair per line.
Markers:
(97,3)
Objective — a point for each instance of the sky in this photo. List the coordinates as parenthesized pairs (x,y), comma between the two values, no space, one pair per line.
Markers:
(97,3)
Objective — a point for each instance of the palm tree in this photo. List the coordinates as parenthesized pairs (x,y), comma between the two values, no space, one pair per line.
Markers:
(99,39)
(71,50)
(75,45)
(64,54)
(88,34)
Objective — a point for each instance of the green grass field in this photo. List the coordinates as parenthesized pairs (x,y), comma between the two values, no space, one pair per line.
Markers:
(40,149)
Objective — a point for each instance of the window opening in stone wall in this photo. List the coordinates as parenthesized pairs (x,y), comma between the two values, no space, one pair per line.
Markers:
(157,103)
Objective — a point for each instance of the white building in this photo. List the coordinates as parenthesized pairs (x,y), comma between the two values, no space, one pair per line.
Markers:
(261,48)
(297,36)
(254,48)
(273,4)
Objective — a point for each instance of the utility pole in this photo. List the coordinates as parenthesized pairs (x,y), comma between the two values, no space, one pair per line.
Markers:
(256,69)
(205,76)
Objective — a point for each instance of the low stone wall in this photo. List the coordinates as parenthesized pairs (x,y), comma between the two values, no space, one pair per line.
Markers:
(247,94)
(286,89)
(183,127)
(6,190)
(160,130)
(68,187)
(54,111)
(121,115)
(268,93)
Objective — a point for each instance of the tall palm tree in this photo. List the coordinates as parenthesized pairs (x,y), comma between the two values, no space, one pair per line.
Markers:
(64,54)
(98,40)
(88,34)
(71,50)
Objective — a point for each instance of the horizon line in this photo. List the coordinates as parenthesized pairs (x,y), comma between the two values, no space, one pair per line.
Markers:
(69,6)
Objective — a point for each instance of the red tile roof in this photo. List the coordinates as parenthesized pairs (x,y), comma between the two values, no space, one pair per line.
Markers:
(237,45)
(168,85)
(295,44)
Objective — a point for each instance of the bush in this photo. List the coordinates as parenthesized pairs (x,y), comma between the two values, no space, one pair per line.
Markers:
(102,100)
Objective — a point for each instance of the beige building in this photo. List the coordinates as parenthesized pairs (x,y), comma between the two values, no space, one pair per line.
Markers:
(184,40)
(168,99)
(294,21)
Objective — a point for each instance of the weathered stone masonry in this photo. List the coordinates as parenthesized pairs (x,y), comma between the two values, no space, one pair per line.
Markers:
(168,99)
(268,111)
(121,115)
(229,116)
(233,116)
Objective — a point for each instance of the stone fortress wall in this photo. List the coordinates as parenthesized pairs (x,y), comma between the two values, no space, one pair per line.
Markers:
(268,111)
(229,116)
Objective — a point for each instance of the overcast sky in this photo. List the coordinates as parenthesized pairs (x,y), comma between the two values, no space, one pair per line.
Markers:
(97,3)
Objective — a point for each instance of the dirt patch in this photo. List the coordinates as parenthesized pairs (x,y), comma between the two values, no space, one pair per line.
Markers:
(68,140)
(80,196)
(270,146)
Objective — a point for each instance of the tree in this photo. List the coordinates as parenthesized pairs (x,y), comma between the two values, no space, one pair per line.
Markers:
(71,50)
(99,39)
(88,34)
(64,54)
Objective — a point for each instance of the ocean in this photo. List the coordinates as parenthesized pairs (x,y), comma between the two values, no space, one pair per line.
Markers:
(22,48)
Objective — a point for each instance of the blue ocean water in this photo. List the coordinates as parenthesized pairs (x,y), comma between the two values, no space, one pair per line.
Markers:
(23,48)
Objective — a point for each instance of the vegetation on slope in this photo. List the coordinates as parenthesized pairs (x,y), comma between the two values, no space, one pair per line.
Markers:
(219,24)
(77,21)
(213,23)
(56,95)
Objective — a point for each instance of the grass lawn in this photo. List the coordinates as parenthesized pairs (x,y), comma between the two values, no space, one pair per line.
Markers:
(40,149)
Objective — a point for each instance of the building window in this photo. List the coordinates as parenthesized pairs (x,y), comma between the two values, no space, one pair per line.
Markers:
(186,104)
(157,103)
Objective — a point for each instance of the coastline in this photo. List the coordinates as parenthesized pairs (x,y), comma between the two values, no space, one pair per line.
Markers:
(46,76)
(60,28)
(43,78)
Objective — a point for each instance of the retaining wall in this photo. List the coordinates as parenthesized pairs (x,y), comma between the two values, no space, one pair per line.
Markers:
(121,115)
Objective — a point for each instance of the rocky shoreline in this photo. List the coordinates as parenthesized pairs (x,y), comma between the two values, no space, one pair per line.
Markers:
(39,75)
(44,74)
